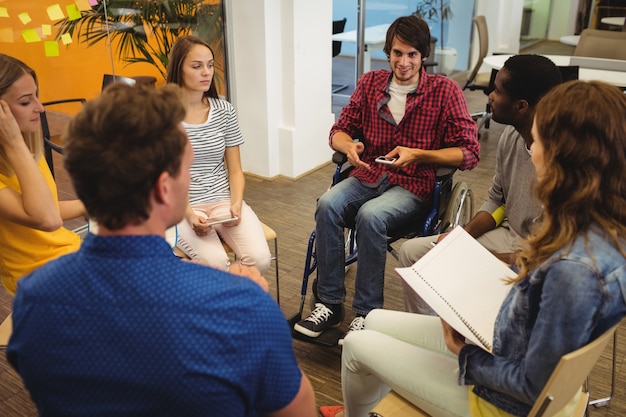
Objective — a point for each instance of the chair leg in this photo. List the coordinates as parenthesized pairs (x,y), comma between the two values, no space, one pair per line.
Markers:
(602,402)
(275,259)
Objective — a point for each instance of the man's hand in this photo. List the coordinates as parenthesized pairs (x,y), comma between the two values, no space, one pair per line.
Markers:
(251,273)
(353,152)
(404,156)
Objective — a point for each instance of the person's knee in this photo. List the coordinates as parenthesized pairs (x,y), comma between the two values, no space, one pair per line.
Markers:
(261,259)
(412,250)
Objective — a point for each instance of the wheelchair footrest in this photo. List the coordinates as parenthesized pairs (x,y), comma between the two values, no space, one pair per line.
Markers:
(329,338)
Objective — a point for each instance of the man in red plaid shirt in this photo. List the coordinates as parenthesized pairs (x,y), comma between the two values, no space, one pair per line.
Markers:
(419,119)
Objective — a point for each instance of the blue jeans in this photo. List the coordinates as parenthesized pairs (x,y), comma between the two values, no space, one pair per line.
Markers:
(372,210)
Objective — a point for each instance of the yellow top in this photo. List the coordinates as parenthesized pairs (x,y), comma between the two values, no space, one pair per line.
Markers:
(25,249)
(481,408)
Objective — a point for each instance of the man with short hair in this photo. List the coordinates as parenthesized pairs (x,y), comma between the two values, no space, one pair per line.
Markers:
(420,121)
(125,328)
(510,210)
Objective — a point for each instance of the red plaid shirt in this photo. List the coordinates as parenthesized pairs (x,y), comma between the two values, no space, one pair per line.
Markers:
(435,116)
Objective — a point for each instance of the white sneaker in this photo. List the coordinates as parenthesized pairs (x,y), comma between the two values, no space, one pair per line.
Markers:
(357,324)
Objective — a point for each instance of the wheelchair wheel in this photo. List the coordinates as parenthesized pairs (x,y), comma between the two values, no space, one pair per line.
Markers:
(460,207)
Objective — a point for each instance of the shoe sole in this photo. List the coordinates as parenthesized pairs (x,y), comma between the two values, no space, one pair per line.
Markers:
(311,333)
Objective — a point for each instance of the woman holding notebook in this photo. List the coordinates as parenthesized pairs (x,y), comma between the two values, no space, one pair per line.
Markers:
(571,286)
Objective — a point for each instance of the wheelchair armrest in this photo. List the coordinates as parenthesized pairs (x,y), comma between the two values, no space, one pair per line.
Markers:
(444,172)
(339,158)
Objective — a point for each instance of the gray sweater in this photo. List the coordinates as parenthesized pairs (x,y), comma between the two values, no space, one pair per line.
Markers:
(512,183)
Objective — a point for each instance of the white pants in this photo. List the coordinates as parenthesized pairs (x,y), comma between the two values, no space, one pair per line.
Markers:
(404,352)
(246,239)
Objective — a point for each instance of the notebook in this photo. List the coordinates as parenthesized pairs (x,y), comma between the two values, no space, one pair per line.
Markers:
(464,283)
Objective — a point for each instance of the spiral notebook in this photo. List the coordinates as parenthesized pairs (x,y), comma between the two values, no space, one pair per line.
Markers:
(464,283)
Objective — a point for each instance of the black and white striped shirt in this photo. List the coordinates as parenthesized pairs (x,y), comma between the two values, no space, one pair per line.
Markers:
(209,178)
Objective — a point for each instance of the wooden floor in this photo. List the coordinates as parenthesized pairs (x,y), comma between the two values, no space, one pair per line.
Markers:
(288,206)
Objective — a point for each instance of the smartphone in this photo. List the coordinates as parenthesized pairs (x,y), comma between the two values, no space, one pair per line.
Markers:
(383,160)
(219,220)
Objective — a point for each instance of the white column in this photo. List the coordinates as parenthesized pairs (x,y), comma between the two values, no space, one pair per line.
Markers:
(280,76)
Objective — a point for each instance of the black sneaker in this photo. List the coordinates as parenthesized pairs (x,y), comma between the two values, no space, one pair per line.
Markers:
(357,324)
(320,319)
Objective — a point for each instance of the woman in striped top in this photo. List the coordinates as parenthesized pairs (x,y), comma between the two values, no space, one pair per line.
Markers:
(217,180)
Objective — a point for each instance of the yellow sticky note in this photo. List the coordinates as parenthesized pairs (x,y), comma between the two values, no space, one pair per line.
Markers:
(4,12)
(66,38)
(72,12)
(55,12)
(83,5)
(46,30)
(30,36)
(6,35)
(51,48)
(25,18)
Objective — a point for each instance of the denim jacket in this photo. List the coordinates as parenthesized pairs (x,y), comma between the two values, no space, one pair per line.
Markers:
(572,298)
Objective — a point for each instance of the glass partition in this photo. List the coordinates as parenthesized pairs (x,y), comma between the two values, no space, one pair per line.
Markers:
(73,45)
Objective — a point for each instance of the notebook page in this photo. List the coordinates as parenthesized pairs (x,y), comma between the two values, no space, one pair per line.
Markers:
(462,282)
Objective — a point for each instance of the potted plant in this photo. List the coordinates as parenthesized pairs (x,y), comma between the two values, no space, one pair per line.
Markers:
(145,30)
(439,11)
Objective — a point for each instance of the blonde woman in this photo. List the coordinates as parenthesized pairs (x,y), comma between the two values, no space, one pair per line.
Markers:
(31,217)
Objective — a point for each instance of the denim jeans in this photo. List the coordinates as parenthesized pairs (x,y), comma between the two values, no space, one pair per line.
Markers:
(372,210)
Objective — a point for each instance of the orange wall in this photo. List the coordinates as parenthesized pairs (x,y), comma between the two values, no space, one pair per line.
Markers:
(78,70)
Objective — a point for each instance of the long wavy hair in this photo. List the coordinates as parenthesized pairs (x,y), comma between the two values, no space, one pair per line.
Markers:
(582,126)
(11,70)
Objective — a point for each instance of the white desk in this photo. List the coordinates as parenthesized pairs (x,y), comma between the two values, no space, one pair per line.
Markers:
(374,40)
(613,21)
(617,78)
(570,39)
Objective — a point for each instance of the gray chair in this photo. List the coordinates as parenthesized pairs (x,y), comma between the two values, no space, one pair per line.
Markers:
(482,81)
(596,43)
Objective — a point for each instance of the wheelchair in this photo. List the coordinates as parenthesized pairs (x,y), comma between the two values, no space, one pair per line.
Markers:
(451,205)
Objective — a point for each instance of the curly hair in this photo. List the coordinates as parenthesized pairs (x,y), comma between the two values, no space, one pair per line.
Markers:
(119,144)
(530,77)
(582,126)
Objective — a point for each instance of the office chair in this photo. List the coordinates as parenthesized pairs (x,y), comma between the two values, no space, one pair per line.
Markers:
(476,80)
(565,382)
(52,142)
(481,81)
(601,44)
(338,27)
(6,328)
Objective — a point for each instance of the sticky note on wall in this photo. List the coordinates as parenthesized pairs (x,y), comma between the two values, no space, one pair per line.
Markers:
(24,18)
(66,39)
(55,12)
(51,48)
(30,36)
(4,12)
(83,5)
(72,12)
